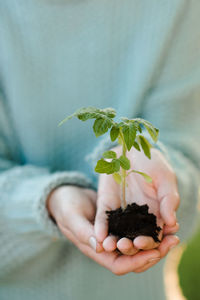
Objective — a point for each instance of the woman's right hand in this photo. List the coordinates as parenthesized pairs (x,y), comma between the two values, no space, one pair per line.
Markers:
(74,209)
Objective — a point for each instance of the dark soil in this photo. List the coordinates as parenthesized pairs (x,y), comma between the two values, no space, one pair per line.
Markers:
(135,220)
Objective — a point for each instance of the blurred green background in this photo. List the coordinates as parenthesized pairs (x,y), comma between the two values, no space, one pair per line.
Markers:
(189,269)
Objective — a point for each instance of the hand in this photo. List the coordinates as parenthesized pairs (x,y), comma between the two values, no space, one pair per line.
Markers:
(161,196)
(73,209)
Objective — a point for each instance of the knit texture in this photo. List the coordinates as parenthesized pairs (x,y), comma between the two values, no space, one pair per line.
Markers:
(140,57)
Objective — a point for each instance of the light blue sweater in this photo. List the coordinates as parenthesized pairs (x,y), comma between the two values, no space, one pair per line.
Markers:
(141,57)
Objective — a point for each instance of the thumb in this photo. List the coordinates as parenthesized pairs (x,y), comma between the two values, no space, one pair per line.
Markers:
(105,203)
(83,231)
(101,223)
(108,198)
(168,207)
(169,198)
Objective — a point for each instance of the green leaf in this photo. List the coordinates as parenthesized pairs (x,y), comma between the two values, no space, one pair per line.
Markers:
(129,133)
(86,113)
(117,177)
(146,146)
(90,112)
(137,125)
(101,126)
(146,177)
(109,154)
(124,162)
(153,131)
(104,166)
(125,120)
(109,112)
(116,164)
(136,145)
(114,133)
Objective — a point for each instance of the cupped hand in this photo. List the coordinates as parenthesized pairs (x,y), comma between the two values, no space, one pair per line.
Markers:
(161,196)
(73,209)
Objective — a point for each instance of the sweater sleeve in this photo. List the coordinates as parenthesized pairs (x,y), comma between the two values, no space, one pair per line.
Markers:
(173,105)
(25,226)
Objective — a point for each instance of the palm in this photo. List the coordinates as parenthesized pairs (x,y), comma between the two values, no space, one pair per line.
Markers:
(138,190)
(141,192)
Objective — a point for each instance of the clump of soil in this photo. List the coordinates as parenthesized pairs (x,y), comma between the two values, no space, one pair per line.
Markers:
(133,221)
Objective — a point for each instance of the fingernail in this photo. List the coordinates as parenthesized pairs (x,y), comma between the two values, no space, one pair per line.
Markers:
(154,259)
(93,242)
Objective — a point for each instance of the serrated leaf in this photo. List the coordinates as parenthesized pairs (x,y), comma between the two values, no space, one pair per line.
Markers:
(104,166)
(146,146)
(137,125)
(116,164)
(85,114)
(153,131)
(125,120)
(124,162)
(120,124)
(90,112)
(129,133)
(136,145)
(109,112)
(109,154)
(101,126)
(117,178)
(146,177)
(114,133)
(139,129)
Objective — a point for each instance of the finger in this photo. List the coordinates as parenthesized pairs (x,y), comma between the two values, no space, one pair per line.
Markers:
(126,247)
(68,234)
(168,206)
(145,243)
(106,202)
(110,243)
(107,199)
(92,194)
(147,266)
(170,229)
(168,242)
(124,264)
(166,245)
(83,230)
(101,223)
(168,195)
(117,264)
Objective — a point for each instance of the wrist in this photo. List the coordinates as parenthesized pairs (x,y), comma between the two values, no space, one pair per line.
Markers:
(54,197)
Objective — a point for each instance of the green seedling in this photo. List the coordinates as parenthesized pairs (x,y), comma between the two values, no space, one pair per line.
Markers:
(128,133)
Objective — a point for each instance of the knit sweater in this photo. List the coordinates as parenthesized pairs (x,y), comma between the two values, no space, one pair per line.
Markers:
(140,57)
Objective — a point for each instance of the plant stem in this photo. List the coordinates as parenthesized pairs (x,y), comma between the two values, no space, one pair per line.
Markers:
(123,174)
